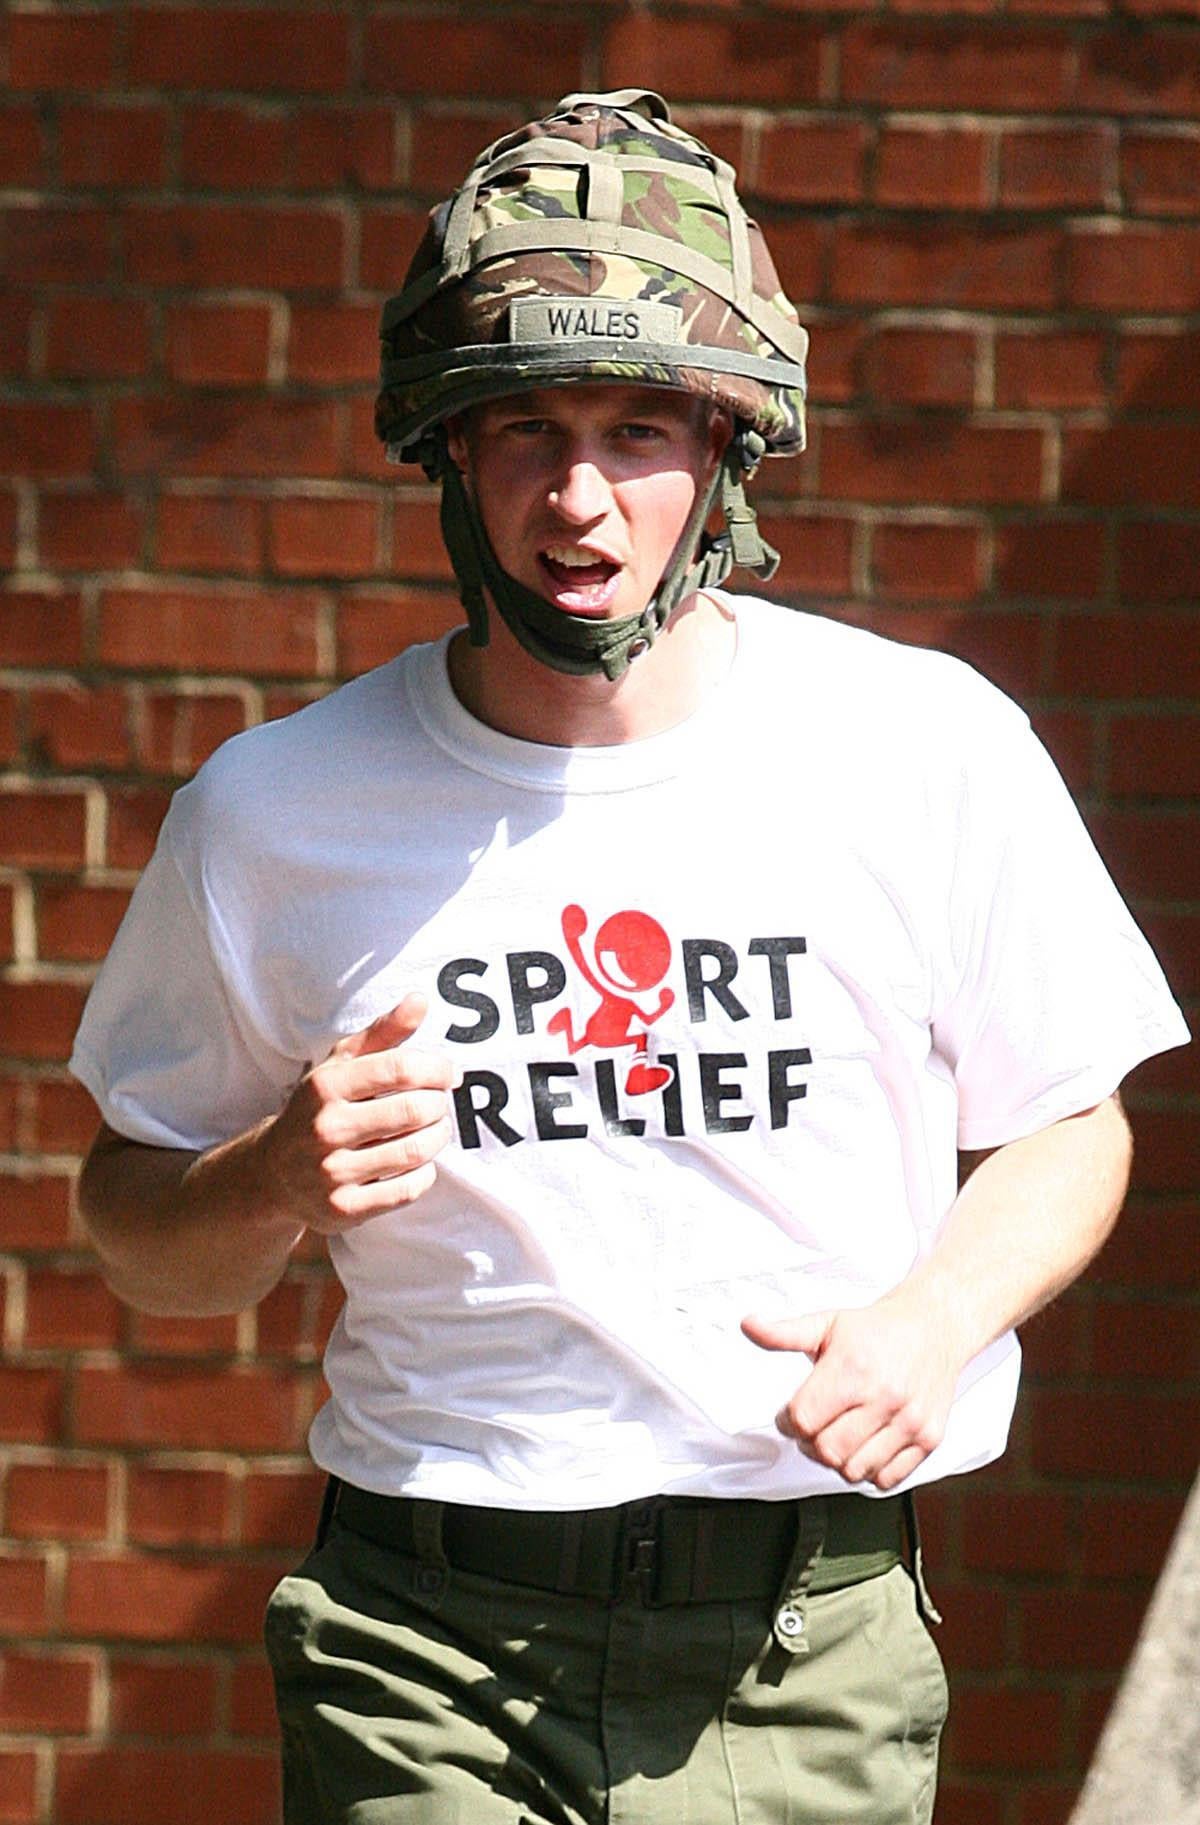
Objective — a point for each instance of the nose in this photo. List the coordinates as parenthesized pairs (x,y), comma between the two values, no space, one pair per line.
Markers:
(582,493)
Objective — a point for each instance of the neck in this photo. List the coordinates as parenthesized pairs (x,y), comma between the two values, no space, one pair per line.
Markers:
(506,688)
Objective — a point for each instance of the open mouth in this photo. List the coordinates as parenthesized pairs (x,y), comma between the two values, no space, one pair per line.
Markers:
(580,581)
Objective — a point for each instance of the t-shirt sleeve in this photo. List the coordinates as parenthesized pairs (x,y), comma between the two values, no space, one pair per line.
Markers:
(1052,994)
(166,1047)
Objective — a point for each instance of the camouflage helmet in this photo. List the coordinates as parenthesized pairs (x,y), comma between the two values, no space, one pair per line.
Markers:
(604,243)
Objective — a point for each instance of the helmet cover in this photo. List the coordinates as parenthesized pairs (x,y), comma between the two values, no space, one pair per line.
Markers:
(600,243)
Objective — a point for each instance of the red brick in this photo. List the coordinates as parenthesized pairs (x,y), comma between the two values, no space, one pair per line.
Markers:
(390,238)
(164,1405)
(227,148)
(1156,562)
(918,64)
(342,148)
(170,1334)
(1053,1341)
(1176,940)
(177,1507)
(975,1625)
(38,1019)
(224,435)
(16,321)
(834,356)
(219,533)
(197,48)
(932,167)
(333,342)
(183,730)
(37,1209)
(129,1598)
(1041,369)
(1159,368)
(134,817)
(252,1701)
(212,631)
(1168,1140)
(443,145)
(52,244)
(63,1119)
(284,1320)
(8,528)
(44,1693)
(40,627)
(1008,1532)
(1160,170)
(1081,1630)
(59,50)
(428,54)
(1146,655)
(213,244)
(1005,647)
(1129,70)
(374,628)
(19,1783)
(59,1501)
(924,263)
(367,461)
(89,532)
(144,1785)
(800,250)
(20,144)
(700,59)
(70,1311)
(813,161)
(1164,458)
(931,459)
(816,554)
(46,439)
(31,1404)
(934,367)
(1139,1341)
(160,1697)
(1114,1437)
(1111,1522)
(104,144)
(309,537)
(41,828)
(213,344)
(281,1508)
(6,912)
(923,563)
(1156,756)
(23,1590)
(997,1728)
(1056,167)
(1136,267)
(1050,558)
(75,726)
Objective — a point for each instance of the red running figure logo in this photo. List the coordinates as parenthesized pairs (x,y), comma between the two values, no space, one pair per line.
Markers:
(632,954)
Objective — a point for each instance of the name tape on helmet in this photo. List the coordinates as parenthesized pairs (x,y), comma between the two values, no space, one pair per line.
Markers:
(545,319)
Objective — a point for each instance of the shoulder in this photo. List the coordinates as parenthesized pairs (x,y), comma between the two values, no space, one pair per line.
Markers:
(848,680)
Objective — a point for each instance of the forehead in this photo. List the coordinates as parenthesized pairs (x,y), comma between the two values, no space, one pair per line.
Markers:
(592,403)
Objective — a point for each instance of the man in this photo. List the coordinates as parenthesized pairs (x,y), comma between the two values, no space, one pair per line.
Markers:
(615,985)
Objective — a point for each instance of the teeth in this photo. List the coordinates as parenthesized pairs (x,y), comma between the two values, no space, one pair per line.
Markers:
(572,557)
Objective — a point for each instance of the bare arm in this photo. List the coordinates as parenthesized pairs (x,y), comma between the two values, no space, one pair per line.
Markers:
(199,1233)
(1025,1224)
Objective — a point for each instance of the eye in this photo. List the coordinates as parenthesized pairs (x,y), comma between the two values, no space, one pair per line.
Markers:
(640,431)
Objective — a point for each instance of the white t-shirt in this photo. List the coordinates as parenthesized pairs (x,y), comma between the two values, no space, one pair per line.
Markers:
(727,1000)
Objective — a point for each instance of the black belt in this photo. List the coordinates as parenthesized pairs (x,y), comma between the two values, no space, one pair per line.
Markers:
(680,1549)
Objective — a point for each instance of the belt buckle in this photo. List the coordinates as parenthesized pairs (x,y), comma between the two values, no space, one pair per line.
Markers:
(641,1550)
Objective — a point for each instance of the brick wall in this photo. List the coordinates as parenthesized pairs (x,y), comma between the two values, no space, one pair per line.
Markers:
(990,220)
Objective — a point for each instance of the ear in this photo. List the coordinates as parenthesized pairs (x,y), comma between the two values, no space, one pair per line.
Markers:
(720,430)
(456,440)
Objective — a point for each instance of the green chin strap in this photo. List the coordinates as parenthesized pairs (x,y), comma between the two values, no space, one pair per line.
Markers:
(580,644)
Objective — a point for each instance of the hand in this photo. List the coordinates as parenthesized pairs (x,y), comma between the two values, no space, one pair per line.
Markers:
(359,1133)
(879,1394)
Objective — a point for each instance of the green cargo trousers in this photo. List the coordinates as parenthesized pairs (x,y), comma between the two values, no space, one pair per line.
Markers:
(412,1691)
